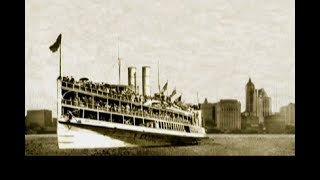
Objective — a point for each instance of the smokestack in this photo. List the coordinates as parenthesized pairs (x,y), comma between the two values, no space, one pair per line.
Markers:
(132,77)
(146,81)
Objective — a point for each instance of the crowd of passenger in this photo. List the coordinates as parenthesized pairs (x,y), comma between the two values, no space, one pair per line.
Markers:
(126,109)
(123,93)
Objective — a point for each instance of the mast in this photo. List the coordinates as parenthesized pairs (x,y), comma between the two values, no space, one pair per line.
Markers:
(198,98)
(135,83)
(119,62)
(275,98)
(277,107)
(60,74)
(158,78)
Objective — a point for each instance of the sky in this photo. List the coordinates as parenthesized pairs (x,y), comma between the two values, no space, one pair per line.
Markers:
(209,47)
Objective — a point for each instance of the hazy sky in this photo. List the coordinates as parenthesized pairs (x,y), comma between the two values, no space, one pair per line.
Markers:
(205,46)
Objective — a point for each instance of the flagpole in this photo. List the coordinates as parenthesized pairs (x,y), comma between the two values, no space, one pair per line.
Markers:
(198,98)
(119,62)
(158,78)
(60,57)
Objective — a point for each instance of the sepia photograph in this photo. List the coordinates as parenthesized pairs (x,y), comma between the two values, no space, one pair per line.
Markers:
(160,78)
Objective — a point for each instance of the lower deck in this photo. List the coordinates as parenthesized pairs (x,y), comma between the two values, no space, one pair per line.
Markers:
(86,133)
(127,118)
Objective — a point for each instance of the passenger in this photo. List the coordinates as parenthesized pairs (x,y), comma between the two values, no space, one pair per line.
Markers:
(75,102)
(98,105)
(107,106)
(85,100)
(127,108)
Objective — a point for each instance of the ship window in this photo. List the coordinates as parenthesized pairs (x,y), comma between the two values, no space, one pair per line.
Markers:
(138,121)
(90,114)
(65,111)
(187,128)
(117,118)
(104,116)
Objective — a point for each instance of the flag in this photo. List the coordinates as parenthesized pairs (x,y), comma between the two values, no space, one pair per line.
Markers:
(164,87)
(173,93)
(178,99)
(54,47)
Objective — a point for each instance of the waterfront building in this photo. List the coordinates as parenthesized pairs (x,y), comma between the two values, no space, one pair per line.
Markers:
(249,123)
(40,121)
(264,104)
(251,98)
(208,115)
(275,124)
(228,115)
(288,114)
(258,103)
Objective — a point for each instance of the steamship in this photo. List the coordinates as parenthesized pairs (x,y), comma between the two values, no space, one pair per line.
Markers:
(102,115)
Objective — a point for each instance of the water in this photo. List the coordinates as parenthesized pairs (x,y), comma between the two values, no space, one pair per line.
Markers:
(216,145)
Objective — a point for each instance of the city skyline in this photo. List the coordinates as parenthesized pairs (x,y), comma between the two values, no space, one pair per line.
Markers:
(209,47)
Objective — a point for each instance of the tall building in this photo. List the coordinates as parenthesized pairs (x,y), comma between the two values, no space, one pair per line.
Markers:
(207,111)
(259,112)
(257,101)
(250,98)
(228,115)
(288,114)
(265,105)
(224,115)
(258,107)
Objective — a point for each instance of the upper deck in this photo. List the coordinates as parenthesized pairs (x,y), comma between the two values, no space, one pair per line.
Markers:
(121,93)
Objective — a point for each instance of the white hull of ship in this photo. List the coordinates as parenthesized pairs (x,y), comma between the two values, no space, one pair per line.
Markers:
(86,133)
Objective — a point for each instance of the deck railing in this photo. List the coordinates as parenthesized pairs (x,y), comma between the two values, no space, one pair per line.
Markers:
(101,92)
(124,111)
